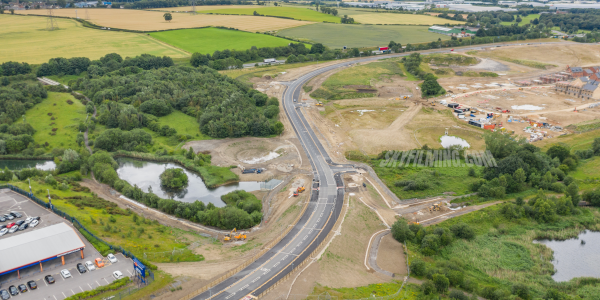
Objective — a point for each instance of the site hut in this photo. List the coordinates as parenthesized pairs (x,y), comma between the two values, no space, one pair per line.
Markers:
(38,246)
(270,60)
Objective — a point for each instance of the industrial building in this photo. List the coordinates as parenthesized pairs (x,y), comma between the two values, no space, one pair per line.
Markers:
(455,31)
(38,246)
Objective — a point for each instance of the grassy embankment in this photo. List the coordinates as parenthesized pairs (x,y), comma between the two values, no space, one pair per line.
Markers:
(409,292)
(336,87)
(303,14)
(138,236)
(523,62)
(25,39)
(209,40)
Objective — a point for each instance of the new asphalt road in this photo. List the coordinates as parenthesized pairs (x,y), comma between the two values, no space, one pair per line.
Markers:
(321,214)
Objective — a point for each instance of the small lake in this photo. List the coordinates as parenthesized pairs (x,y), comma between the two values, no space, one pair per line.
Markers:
(146,174)
(573,259)
(448,140)
(18,164)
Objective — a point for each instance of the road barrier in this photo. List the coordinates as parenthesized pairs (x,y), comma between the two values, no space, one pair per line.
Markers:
(76,224)
(252,259)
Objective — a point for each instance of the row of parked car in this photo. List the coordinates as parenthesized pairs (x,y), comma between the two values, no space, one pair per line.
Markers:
(81,268)
(11,227)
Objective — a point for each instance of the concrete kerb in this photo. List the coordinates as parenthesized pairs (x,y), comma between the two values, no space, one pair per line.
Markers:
(379,182)
(251,260)
(312,256)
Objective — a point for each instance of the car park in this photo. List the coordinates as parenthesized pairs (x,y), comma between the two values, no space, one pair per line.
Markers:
(49,279)
(99,263)
(22,288)
(65,273)
(32,285)
(4,295)
(13,229)
(117,274)
(113,259)
(3,231)
(81,268)
(13,290)
(24,226)
(90,266)
(34,223)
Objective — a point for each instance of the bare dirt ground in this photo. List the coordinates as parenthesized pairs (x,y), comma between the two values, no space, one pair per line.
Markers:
(277,155)
(560,55)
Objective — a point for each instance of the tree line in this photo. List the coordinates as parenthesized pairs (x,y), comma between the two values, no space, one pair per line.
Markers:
(108,63)
(176,3)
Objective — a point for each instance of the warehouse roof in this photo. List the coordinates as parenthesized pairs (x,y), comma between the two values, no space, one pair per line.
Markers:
(38,245)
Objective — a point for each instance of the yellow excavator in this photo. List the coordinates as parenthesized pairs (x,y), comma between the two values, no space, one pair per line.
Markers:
(319,103)
(435,207)
(234,235)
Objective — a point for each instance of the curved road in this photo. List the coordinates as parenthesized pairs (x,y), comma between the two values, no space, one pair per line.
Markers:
(322,212)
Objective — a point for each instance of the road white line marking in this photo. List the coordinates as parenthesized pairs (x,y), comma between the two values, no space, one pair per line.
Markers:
(305,237)
(90,286)
(45,283)
(275,265)
(98,283)
(106,281)
(81,289)
(242,288)
(72,292)
(63,294)
(256,279)
(231,295)
(130,273)
(55,297)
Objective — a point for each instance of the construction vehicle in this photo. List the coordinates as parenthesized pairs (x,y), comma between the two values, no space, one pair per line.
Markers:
(234,235)
(435,207)
(320,103)
(416,222)
(300,189)
(296,193)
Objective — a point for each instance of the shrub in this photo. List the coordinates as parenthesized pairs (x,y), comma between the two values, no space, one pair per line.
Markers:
(174,178)
(441,283)
(428,287)
(458,295)
(418,267)
(463,231)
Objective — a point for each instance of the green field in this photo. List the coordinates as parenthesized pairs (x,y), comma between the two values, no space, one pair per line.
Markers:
(334,87)
(525,20)
(209,40)
(25,39)
(66,119)
(303,14)
(340,35)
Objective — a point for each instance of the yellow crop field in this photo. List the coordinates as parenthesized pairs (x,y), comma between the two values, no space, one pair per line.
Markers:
(146,20)
(204,7)
(402,19)
(25,39)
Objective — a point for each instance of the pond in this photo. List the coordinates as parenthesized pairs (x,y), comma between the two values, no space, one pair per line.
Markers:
(577,257)
(146,174)
(448,141)
(18,164)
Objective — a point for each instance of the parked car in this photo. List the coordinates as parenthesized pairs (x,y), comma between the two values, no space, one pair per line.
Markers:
(99,263)
(81,268)
(13,229)
(36,218)
(10,225)
(4,295)
(24,226)
(28,220)
(113,259)
(90,266)
(2,219)
(3,231)
(9,216)
(49,279)
(117,274)
(22,288)
(32,285)
(16,214)
(34,223)
(19,223)
(3,226)
(65,274)
(13,290)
